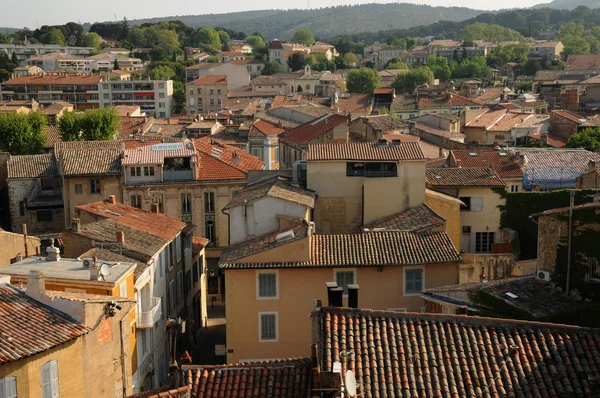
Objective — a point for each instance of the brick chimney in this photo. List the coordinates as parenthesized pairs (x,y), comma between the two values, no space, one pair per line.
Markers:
(112,200)
(36,284)
(120,237)
(52,253)
(154,208)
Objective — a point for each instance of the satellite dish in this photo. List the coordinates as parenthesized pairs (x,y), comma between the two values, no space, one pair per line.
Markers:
(350,382)
(104,270)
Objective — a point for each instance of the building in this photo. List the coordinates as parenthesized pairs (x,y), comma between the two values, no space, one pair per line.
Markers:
(506,165)
(228,56)
(14,247)
(162,248)
(27,71)
(154,97)
(480,216)
(551,50)
(237,75)
(253,66)
(387,53)
(294,143)
(359,183)
(326,49)
(263,141)
(271,278)
(280,51)
(580,63)
(207,94)
(24,52)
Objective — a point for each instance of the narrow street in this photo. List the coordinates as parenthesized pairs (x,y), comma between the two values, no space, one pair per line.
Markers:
(206,339)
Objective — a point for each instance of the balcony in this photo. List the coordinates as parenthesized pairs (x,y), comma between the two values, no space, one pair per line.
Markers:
(178,175)
(147,319)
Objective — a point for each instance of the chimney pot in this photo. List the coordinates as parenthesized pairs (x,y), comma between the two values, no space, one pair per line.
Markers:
(330,287)
(36,284)
(112,200)
(52,252)
(120,238)
(353,296)
(337,295)
(75,224)
(154,208)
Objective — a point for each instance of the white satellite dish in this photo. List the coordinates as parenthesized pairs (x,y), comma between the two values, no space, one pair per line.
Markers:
(350,383)
(104,271)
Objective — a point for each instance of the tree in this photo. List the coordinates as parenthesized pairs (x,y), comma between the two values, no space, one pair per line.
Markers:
(574,45)
(296,61)
(91,39)
(162,72)
(362,80)
(256,41)
(225,39)
(14,59)
(588,138)
(22,134)
(100,124)
(304,36)
(350,60)
(69,126)
(489,32)
(4,75)
(406,83)
(439,67)
(271,68)
(116,64)
(210,38)
(178,96)
(395,63)
(53,36)
(4,39)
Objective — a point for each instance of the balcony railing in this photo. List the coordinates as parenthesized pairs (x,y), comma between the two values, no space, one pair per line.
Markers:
(147,319)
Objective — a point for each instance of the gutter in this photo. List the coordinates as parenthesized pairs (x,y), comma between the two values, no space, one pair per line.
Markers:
(228,226)
(123,354)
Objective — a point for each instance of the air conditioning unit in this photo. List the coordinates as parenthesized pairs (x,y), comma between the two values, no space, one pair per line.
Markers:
(88,262)
(544,275)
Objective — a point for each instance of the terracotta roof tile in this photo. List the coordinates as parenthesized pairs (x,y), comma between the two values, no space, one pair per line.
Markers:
(89,157)
(126,110)
(216,161)
(28,327)
(487,119)
(569,115)
(130,126)
(284,378)
(417,219)
(505,165)
(157,153)
(211,79)
(264,128)
(463,177)
(32,166)
(164,392)
(583,62)
(427,355)
(204,65)
(357,103)
(313,129)
(575,159)
(52,135)
(198,244)
(55,79)
(364,151)
(276,187)
(86,297)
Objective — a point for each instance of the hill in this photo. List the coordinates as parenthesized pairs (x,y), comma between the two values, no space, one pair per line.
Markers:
(325,22)
(569,4)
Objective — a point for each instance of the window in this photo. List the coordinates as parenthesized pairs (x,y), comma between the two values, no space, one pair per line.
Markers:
(136,201)
(234,193)
(343,278)
(466,229)
(373,169)
(161,85)
(514,188)
(186,203)
(218,91)
(94,186)
(148,171)
(191,91)
(49,373)
(123,289)
(106,96)
(467,201)
(8,387)
(256,152)
(593,270)
(105,86)
(161,104)
(161,95)
(188,280)
(277,154)
(195,274)
(78,189)
(212,101)
(22,208)
(44,216)
(212,91)
(484,242)
(267,285)
(209,202)
(172,295)
(180,286)
(413,281)
(209,230)
(267,326)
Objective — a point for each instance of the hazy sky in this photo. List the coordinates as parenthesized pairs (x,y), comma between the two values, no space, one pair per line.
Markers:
(18,14)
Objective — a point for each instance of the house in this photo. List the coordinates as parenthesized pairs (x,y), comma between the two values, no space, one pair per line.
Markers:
(253,66)
(492,127)
(14,247)
(372,128)
(228,56)
(154,97)
(358,183)
(387,53)
(270,85)
(27,71)
(590,178)
(505,164)
(55,111)
(323,48)
(280,51)
(477,188)
(237,75)
(263,140)
(302,81)
(162,248)
(583,63)
(492,355)
(117,74)
(294,143)
(565,123)
(551,50)
(271,278)
(206,94)
(57,343)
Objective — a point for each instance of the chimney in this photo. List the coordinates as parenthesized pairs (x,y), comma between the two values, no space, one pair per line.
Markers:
(36,284)
(330,287)
(592,165)
(337,297)
(112,200)
(120,238)
(441,152)
(75,224)
(52,253)
(154,208)
(353,296)
(458,161)
(95,270)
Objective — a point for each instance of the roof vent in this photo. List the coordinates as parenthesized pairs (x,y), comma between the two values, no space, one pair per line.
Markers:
(472,153)
(381,142)
(396,142)
(285,236)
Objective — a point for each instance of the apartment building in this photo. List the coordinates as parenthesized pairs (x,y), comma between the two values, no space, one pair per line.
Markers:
(70,63)
(237,74)
(386,53)
(546,49)
(207,94)
(33,50)
(154,97)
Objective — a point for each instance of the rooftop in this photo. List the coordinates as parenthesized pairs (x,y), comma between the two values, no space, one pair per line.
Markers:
(583,62)
(263,128)
(365,151)
(157,153)
(463,177)
(211,79)
(313,129)
(32,166)
(275,187)
(569,115)
(544,158)
(28,327)
(89,157)
(217,161)
(417,219)
(487,119)
(503,163)
(92,80)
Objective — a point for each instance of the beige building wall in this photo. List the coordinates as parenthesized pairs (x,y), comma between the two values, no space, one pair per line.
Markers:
(298,290)
(449,208)
(11,245)
(487,220)
(109,185)
(200,95)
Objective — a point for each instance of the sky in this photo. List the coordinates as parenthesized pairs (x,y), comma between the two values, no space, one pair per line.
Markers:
(34,13)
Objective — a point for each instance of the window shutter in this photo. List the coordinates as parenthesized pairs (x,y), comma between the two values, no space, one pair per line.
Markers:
(418,280)
(267,325)
(46,381)
(476,203)
(472,242)
(267,285)
(2,388)
(54,374)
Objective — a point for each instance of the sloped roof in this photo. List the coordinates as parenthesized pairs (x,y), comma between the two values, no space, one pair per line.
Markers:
(108,255)
(313,129)
(576,159)
(463,177)
(416,219)
(284,378)
(487,119)
(28,327)
(569,115)
(211,79)
(32,166)
(217,161)
(276,187)
(54,79)
(52,135)
(505,165)
(583,62)
(428,355)
(364,151)
(89,157)
(264,128)
(157,153)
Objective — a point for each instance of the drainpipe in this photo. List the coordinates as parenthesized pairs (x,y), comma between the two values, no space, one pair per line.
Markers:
(571,203)
(123,354)
(228,227)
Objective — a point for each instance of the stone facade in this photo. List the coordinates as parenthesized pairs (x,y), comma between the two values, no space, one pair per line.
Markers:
(22,212)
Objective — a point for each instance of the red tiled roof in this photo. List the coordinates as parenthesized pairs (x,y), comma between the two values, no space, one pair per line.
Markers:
(28,327)
(89,157)
(232,53)
(157,153)
(246,62)
(384,91)
(159,225)
(276,187)
(487,119)
(417,219)
(313,129)
(164,392)
(217,161)
(429,355)
(52,136)
(211,79)
(357,103)
(583,62)
(504,165)
(198,244)
(204,65)
(364,151)
(463,177)
(32,166)
(508,121)
(569,115)
(285,378)
(459,100)
(126,110)
(262,128)
(55,79)
(553,140)
(590,205)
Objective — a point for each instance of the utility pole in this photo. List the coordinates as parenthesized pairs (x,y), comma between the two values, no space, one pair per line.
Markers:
(571,203)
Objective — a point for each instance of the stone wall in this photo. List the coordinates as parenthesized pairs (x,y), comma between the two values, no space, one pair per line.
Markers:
(11,245)
(494,266)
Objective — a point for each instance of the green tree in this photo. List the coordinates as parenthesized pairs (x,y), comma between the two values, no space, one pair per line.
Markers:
(210,38)
(4,39)
(53,36)
(271,68)
(22,134)
(100,124)
(4,75)
(574,45)
(178,96)
(439,67)
(91,40)
(296,61)
(304,36)
(225,39)
(69,126)
(256,41)
(489,32)
(406,83)
(162,72)
(116,64)
(588,138)
(395,63)
(363,80)
(350,60)
(167,42)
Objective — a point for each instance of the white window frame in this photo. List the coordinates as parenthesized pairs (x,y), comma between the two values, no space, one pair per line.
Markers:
(5,387)
(404,281)
(276,339)
(260,272)
(53,384)
(338,270)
